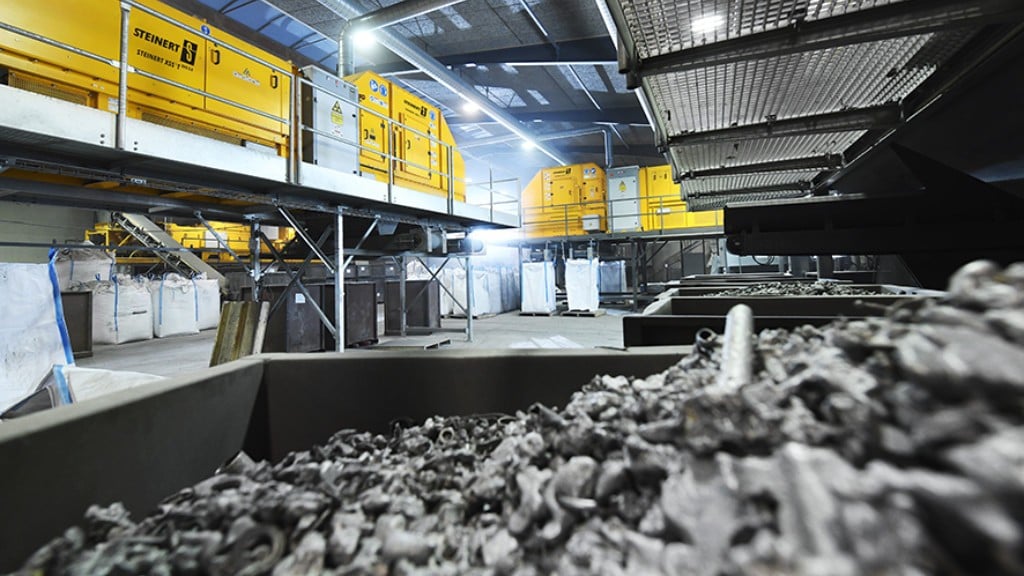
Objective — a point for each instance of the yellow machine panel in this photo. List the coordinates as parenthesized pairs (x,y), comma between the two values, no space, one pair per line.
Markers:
(237,78)
(422,161)
(565,201)
(167,51)
(159,49)
(663,205)
(661,199)
(155,47)
(557,201)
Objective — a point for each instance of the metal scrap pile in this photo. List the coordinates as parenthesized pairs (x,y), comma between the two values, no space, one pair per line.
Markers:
(889,445)
(818,288)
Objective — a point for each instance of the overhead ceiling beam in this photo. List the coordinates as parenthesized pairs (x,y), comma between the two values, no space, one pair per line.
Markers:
(825,162)
(234,27)
(623,115)
(380,18)
(800,185)
(896,20)
(598,50)
(604,131)
(876,117)
(410,52)
(395,13)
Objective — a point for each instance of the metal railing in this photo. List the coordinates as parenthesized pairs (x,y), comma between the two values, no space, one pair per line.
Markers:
(564,219)
(395,165)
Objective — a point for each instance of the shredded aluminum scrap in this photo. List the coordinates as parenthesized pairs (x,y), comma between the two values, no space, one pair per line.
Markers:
(890,445)
(818,288)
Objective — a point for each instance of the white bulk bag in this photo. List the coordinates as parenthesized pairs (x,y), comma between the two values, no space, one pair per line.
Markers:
(447,304)
(77,266)
(87,383)
(175,307)
(208,303)
(33,337)
(581,277)
(494,291)
(122,311)
(481,292)
(538,287)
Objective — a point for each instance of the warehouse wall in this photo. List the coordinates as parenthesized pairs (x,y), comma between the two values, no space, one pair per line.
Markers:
(34,223)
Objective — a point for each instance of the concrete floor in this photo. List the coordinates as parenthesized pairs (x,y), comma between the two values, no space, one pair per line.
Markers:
(180,355)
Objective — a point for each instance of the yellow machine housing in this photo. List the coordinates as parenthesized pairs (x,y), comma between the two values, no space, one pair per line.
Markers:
(565,201)
(663,206)
(422,161)
(237,237)
(661,199)
(195,238)
(156,47)
(557,201)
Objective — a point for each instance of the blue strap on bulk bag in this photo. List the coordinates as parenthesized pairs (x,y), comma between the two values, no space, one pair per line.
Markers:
(58,307)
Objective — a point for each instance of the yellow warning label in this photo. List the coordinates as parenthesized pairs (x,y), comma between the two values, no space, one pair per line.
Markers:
(622,186)
(337,116)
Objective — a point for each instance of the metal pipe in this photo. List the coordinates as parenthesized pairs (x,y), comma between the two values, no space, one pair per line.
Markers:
(413,54)
(608,153)
(122,81)
(738,349)
(380,18)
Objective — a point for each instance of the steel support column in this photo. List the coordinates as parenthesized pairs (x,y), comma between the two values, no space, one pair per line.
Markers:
(339,281)
(254,254)
(469,299)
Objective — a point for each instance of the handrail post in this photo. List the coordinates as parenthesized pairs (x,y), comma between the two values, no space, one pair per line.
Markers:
(122,81)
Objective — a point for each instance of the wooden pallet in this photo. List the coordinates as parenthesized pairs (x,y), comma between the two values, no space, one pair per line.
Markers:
(475,316)
(552,313)
(363,344)
(585,313)
(415,343)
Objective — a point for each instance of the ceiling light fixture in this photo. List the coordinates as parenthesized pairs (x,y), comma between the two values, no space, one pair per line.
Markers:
(529,145)
(707,24)
(470,108)
(363,39)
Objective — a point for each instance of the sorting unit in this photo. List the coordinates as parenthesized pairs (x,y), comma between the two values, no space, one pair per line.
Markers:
(565,201)
(581,199)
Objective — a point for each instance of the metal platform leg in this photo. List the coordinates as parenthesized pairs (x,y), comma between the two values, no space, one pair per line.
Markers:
(339,282)
(469,299)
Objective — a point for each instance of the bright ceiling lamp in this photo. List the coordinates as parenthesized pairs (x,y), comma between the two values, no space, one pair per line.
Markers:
(363,39)
(470,108)
(707,24)
(529,144)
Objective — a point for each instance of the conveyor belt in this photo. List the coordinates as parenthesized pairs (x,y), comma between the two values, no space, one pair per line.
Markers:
(178,258)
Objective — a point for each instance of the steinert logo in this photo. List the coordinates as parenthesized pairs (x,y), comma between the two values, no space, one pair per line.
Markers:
(244,76)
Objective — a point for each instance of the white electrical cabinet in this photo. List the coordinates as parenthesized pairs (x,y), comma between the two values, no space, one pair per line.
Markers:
(329,108)
(624,199)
